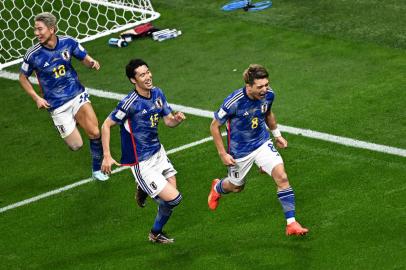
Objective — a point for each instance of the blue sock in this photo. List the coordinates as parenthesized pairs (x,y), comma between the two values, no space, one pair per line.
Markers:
(165,210)
(96,149)
(287,200)
(219,187)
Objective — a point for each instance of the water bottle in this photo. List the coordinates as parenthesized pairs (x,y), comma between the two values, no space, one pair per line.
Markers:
(118,42)
(155,35)
(169,35)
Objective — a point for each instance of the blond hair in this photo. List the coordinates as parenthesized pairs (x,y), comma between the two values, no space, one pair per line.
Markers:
(48,19)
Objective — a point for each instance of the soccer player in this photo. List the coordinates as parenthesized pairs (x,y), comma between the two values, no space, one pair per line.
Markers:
(138,115)
(63,95)
(247,112)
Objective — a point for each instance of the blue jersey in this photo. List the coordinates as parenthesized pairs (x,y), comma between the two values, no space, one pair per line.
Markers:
(138,118)
(246,126)
(58,80)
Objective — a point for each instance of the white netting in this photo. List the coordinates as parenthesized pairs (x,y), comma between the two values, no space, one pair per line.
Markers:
(83,19)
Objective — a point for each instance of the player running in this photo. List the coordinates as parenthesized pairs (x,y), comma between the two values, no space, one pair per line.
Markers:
(138,115)
(247,112)
(63,95)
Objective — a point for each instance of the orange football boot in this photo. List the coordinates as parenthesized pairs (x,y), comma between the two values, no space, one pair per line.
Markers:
(295,228)
(214,196)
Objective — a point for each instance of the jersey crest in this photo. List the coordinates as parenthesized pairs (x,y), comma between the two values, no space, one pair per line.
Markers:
(158,103)
(264,107)
(65,55)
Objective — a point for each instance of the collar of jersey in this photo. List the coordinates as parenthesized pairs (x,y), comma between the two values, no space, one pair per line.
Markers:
(141,96)
(56,46)
(244,91)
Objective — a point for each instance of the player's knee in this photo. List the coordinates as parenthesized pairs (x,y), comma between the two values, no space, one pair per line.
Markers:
(237,189)
(175,202)
(282,180)
(75,146)
(93,133)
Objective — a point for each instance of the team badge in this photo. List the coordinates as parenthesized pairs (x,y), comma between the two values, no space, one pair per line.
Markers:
(65,55)
(153,185)
(158,103)
(264,107)
(61,128)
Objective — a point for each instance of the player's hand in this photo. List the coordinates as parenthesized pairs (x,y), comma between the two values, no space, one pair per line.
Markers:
(108,161)
(227,159)
(281,142)
(42,103)
(179,117)
(95,64)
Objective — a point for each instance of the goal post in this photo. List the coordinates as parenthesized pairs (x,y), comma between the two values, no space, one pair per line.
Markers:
(84,20)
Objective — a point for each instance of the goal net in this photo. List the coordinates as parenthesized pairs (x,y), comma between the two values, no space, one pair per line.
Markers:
(82,19)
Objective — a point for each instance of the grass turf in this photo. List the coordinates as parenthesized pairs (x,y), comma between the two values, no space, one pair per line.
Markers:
(335,68)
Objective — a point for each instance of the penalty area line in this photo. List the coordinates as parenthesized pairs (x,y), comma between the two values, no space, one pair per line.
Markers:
(88,180)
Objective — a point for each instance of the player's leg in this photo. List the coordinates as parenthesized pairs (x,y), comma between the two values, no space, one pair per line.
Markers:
(161,163)
(86,118)
(74,140)
(141,196)
(270,161)
(65,123)
(234,182)
(159,185)
(167,200)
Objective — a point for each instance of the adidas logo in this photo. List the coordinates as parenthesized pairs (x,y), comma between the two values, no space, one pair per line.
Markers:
(46,64)
(246,114)
(144,111)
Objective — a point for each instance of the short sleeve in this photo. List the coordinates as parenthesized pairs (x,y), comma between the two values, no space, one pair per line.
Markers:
(161,102)
(166,109)
(26,68)
(78,51)
(270,98)
(223,114)
(119,114)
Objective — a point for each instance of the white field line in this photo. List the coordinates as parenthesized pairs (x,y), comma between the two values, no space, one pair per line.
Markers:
(297,131)
(87,180)
(209,114)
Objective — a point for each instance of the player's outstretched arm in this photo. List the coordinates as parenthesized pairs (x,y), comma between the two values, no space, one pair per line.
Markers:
(215,131)
(108,160)
(270,120)
(174,119)
(91,63)
(27,86)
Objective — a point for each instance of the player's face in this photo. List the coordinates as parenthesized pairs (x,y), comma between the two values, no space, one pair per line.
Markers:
(43,33)
(258,89)
(143,78)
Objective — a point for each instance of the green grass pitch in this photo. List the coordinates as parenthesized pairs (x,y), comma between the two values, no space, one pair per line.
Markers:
(336,67)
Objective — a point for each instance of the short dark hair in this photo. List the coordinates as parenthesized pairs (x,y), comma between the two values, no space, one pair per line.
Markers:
(253,72)
(132,66)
